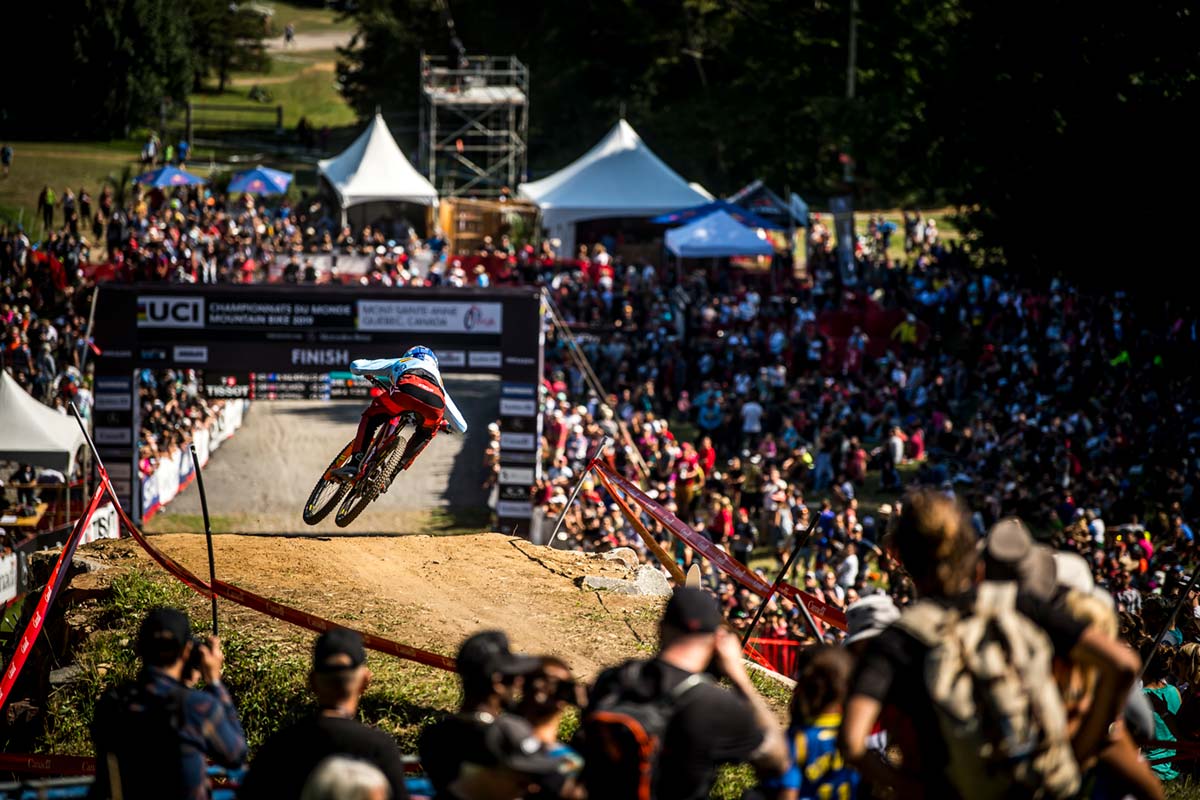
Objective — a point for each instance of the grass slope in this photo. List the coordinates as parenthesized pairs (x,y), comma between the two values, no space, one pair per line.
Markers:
(267,661)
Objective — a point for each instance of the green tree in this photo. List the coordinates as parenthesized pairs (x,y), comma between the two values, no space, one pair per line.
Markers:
(1041,119)
(224,37)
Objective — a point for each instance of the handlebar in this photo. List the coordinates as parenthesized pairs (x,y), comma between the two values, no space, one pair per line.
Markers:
(387,387)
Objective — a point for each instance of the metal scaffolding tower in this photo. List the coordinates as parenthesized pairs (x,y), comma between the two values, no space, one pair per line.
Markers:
(474,124)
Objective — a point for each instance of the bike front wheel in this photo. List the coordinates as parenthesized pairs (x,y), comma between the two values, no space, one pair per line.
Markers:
(328,492)
(373,484)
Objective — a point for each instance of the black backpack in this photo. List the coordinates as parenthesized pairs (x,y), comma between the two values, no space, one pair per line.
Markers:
(621,733)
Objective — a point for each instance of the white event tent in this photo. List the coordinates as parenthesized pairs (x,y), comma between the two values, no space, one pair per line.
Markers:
(618,178)
(716,236)
(36,434)
(374,170)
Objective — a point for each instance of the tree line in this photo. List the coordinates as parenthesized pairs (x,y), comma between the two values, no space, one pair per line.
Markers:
(94,69)
(1056,126)
(1059,128)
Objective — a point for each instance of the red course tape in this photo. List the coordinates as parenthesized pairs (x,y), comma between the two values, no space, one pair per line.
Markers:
(30,634)
(47,764)
(723,561)
(255,602)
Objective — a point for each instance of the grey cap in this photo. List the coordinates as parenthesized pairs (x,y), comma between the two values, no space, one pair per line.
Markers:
(869,617)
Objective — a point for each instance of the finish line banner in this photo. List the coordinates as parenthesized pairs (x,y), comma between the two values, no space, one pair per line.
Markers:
(277,342)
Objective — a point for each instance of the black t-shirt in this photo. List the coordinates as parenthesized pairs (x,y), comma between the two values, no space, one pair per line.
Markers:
(710,726)
(892,672)
(285,760)
(446,745)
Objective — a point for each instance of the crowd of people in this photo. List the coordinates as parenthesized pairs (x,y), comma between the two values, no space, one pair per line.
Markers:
(751,415)
(1012,675)
(187,235)
(154,734)
(775,415)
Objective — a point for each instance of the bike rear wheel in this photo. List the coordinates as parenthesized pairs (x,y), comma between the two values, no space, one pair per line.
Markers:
(372,484)
(328,492)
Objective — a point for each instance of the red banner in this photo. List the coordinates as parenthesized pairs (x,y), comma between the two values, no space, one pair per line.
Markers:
(255,602)
(723,561)
(47,765)
(312,622)
(779,654)
(29,636)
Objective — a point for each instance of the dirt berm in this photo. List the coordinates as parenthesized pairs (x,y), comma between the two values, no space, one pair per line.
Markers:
(424,591)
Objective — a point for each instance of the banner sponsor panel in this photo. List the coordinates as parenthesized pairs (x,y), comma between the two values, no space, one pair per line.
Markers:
(408,316)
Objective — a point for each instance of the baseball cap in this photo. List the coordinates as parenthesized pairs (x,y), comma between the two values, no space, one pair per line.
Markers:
(869,616)
(164,630)
(509,742)
(484,654)
(338,649)
(692,611)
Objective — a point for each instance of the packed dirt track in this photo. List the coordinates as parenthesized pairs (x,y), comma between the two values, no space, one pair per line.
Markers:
(427,591)
(259,481)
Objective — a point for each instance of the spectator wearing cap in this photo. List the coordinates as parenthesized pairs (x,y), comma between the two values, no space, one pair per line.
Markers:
(865,620)
(338,680)
(510,763)
(153,735)
(546,695)
(709,725)
(491,674)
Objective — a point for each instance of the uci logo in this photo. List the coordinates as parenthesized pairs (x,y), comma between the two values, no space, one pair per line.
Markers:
(170,312)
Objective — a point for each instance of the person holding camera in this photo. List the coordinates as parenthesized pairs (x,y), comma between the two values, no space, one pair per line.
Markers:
(153,734)
(547,693)
(492,676)
(673,703)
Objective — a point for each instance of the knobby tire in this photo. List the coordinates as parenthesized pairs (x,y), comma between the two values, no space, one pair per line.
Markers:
(372,485)
(314,513)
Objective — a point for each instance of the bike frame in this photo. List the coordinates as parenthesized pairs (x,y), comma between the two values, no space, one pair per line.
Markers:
(382,441)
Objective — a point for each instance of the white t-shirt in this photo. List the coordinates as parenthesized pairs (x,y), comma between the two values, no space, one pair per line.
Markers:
(752,417)
(847,572)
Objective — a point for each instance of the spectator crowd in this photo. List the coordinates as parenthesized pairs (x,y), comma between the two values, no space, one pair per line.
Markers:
(935,444)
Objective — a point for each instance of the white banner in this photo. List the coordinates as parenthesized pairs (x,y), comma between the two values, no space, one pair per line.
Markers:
(517,441)
(516,475)
(511,407)
(8,577)
(104,525)
(174,472)
(484,358)
(513,508)
(439,317)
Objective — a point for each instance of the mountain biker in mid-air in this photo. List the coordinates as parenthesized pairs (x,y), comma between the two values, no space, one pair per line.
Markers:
(416,386)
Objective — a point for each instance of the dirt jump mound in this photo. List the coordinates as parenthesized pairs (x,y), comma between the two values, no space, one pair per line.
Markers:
(431,591)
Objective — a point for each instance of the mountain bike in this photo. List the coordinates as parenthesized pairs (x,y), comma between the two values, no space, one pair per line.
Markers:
(380,466)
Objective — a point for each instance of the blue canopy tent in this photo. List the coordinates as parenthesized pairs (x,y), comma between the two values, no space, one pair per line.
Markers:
(740,214)
(261,180)
(166,177)
(717,235)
